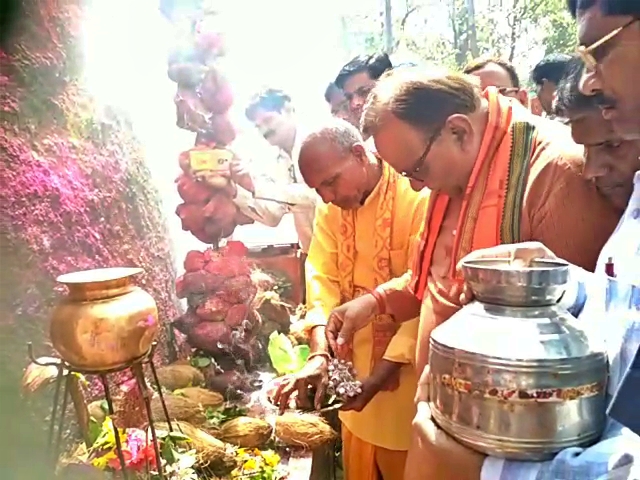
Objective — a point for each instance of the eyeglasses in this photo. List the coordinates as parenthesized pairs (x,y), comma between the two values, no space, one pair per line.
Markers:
(586,53)
(508,91)
(419,163)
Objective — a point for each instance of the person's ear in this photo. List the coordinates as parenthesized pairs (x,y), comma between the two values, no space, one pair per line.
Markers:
(459,126)
(359,151)
(535,106)
(523,97)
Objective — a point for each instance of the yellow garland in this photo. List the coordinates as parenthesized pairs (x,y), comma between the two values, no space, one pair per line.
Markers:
(107,440)
(102,462)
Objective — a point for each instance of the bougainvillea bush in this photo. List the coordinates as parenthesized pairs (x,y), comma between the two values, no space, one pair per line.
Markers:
(74,194)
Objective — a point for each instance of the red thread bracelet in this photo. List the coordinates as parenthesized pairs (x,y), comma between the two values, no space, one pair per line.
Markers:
(380,300)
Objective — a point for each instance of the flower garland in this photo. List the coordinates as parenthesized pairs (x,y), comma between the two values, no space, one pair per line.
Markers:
(139,452)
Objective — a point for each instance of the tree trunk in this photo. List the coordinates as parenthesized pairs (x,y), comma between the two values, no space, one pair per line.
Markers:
(388,27)
(515,27)
(473,34)
(75,194)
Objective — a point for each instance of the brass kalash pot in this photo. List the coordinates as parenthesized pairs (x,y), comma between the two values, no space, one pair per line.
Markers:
(105,321)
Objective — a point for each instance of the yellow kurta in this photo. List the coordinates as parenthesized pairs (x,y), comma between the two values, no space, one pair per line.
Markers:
(386,421)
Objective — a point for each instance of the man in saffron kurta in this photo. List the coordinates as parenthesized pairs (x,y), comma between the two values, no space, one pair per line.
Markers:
(363,235)
(499,175)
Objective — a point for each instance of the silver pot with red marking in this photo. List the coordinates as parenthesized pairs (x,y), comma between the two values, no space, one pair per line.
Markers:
(513,374)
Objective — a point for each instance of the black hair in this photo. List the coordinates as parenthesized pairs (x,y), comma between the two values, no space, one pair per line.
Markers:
(551,68)
(569,99)
(331,90)
(608,7)
(269,100)
(374,65)
(479,64)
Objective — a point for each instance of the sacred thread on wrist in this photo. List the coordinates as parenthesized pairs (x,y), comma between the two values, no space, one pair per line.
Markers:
(380,300)
(325,355)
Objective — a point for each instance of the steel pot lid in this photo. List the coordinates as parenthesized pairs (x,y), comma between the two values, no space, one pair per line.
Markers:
(499,282)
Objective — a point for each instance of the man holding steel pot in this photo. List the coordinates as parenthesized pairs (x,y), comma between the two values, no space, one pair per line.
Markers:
(609,32)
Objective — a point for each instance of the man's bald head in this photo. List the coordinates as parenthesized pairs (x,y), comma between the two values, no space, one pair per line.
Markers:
(331,142)
(331,158)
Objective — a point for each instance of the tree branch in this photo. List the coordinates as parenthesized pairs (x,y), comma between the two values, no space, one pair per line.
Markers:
(409,11)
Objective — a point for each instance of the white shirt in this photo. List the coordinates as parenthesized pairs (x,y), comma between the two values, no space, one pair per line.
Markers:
(279,189)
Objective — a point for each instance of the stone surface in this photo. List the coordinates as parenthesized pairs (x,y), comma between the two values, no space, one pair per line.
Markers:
(75,193)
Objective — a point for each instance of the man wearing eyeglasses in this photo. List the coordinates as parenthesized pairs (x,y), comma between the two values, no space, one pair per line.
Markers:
(609,34)
(496,72)
(498,174)
(488,160)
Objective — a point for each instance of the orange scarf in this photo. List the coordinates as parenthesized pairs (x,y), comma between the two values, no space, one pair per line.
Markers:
(384,328)
(490,202)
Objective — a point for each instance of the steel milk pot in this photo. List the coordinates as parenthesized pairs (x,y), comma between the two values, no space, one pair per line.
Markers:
(512,374)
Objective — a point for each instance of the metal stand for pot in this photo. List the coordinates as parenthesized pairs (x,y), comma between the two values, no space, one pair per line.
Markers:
(66,376)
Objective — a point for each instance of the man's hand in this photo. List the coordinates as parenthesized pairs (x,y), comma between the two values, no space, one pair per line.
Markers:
(447,459)
(519,255)
(357,403)
(422,392)
(240,175)
(442,457)
(315,374)
(381,374)
(346,320)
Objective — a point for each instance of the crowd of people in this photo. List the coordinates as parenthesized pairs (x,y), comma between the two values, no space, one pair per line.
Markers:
(421,168)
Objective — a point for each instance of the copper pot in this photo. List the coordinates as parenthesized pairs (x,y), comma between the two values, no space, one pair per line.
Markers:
(105,321)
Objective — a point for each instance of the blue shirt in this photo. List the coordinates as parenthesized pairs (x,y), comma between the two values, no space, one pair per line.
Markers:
(611,307)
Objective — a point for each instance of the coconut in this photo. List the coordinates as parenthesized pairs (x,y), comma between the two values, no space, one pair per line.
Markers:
(203,397)
(173,377)
(179,408)
(211,429)
(211,452)
(247,432)
(303,430)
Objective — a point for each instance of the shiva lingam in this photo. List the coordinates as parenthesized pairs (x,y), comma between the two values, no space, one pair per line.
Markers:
(104,325)
(513,375)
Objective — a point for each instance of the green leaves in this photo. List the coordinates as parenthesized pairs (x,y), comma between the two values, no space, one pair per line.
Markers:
(520,31)
(218,416)
(95,429)
(200,362)
(285,358)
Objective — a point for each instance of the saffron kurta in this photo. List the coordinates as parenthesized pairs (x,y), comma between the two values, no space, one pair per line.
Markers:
(386,421)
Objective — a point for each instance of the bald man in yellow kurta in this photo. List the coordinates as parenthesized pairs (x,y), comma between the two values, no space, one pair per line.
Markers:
(363,236)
